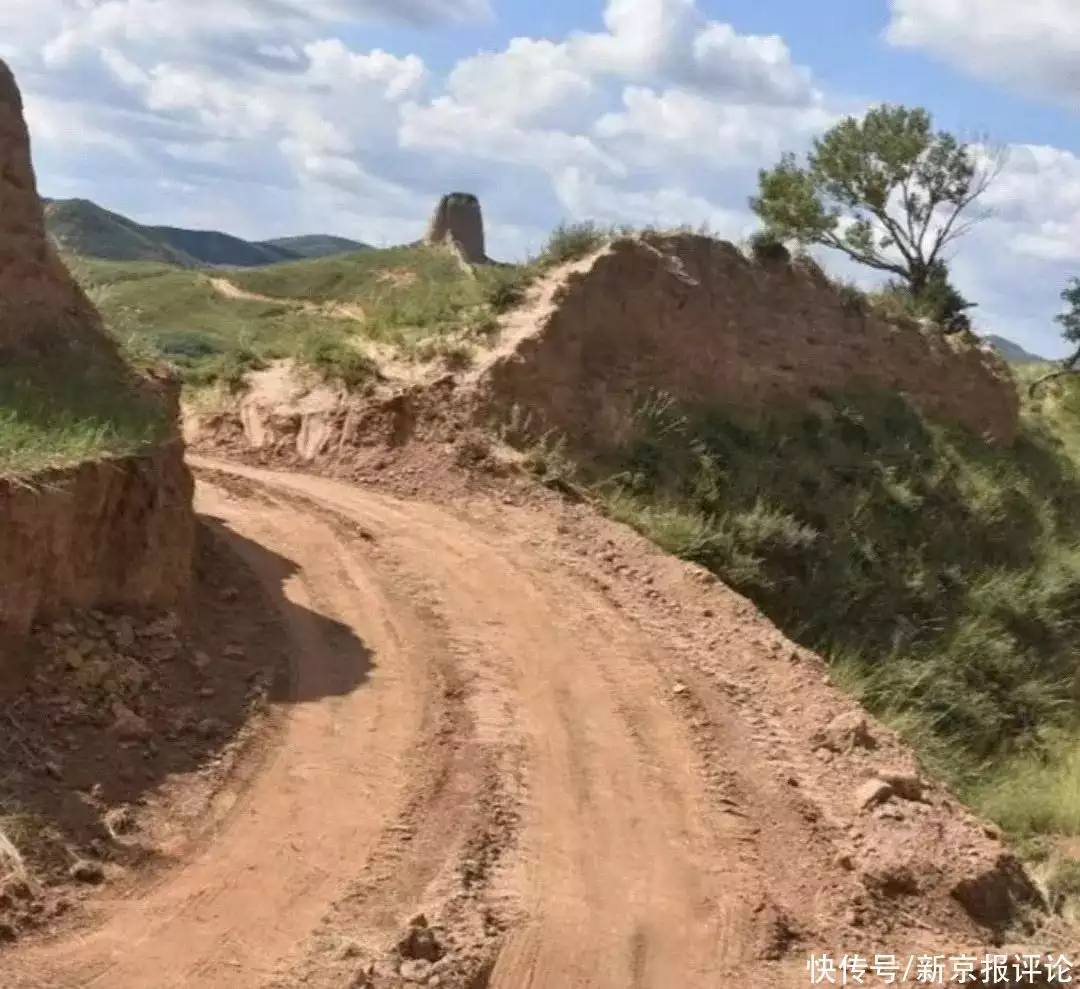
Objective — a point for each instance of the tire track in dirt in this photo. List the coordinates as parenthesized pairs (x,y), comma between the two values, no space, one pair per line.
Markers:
(222,920)
(629,876)
(567,802)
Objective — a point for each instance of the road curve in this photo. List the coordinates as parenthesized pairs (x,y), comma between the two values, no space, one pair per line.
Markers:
(513,761)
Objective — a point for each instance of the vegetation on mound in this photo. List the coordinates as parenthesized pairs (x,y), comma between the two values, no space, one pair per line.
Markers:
(891,194)
(72,405)
(940,576)
(419,302)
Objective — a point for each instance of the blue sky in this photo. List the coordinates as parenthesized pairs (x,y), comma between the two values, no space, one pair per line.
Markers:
(269,117)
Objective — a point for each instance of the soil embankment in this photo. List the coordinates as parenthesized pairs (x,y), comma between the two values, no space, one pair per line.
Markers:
(74,535)
(104,534)
(691,316)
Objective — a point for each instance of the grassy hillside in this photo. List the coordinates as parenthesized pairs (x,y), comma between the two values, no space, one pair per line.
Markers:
(67,394)
(314,245)
(83,228)
(79,406)
(328,312)
(939,575)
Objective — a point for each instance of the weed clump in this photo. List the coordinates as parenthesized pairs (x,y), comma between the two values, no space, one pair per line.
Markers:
(335,360)
(572,241)
(940,575)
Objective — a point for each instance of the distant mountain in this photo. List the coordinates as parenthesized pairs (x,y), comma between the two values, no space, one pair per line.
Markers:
(82,227)
(1013,352)
(314,245)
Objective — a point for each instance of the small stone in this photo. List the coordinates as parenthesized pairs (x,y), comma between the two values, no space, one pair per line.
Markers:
(63,628)
(119,820)
(415,970)
(8,931)
(207,692)
(844,733)
(679,688)
(234,651)
(908,786)
(88,871)
(209,727)
(124,633)
(201,660)
(128,725)
(349,949)
(419,942)
(872,793)
(845,861)
(73,659)
(229,594)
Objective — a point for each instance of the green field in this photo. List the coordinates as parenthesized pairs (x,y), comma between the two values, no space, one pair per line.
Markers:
(418,301)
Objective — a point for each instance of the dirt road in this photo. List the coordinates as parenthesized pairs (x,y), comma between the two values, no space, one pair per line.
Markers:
(479,732)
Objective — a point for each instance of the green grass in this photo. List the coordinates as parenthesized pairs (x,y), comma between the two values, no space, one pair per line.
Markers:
(940,576)
(69,405)
(571,241)
(417,301)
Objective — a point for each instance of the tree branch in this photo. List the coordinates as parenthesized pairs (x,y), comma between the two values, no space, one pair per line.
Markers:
(979,187)
(831,240)
(1068,366)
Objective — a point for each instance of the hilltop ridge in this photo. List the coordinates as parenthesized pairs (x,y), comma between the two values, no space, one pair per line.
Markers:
(79,226)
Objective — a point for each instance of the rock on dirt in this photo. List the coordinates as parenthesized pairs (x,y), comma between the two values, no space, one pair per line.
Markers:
(88,871)
(847,731)
(872,793)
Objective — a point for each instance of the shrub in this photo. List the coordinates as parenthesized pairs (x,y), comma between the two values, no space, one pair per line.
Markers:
(336,360)
(767,249)
(569,242)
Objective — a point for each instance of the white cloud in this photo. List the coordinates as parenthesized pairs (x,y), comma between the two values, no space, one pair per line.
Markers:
(582,194)
(680,122)
(258,117)
(1037,203)
(1033,44)
(109,23)
(522,84)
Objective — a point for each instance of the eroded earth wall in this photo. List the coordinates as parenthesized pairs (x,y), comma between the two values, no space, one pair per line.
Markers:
(117,532)
(692,316)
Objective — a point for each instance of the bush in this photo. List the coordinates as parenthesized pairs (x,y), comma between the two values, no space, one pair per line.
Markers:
(570,242)
(229,369)
(335,360)
(766,249)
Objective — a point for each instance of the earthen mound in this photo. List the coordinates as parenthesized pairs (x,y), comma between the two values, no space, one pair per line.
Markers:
(458,221)
(89,534)
(693,317)
(41,306)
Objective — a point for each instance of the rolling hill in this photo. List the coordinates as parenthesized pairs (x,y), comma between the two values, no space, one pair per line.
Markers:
(1013,352)
(81,227)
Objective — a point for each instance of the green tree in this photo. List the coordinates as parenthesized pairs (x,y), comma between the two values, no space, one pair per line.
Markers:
(888,191)
(1069,320)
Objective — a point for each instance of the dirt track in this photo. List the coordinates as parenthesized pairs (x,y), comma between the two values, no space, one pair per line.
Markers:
(478,730)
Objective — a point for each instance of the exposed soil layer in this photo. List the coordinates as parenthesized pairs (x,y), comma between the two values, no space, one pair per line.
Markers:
(692,317)
(523,748)
(110,533)
(119,733)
